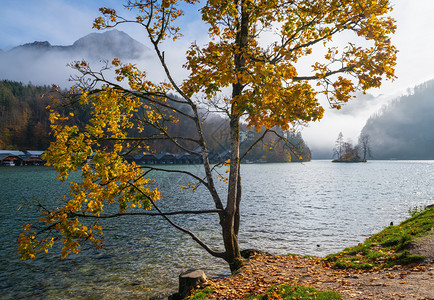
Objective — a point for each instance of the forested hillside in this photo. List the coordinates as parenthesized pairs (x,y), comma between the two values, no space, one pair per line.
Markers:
(23,118)
(404,129)
(24,125)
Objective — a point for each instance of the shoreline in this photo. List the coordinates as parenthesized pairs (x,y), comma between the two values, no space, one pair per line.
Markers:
(264,271)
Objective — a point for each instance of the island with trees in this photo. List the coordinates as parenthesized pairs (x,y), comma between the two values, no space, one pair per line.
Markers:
(347,153)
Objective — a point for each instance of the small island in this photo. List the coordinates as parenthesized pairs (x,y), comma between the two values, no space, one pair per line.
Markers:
(347,153)
(349,159)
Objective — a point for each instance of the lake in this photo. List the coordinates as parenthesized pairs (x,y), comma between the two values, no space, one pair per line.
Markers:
(313,208)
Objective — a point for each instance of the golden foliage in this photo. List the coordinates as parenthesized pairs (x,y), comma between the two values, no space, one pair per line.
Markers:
(256,47)
(106,177)
(274,93)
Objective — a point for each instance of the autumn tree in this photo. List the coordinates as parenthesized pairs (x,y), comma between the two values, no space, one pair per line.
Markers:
(267,63)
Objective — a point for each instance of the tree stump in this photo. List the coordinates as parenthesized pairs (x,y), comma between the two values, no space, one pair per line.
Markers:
(189,280)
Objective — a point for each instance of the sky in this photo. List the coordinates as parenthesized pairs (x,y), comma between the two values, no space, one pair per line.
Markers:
(61,22)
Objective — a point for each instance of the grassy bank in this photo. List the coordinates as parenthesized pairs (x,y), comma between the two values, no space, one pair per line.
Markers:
(387,248)
(390,246)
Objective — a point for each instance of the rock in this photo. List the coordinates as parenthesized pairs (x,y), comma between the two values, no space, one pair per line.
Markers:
(189,280)
(249,253)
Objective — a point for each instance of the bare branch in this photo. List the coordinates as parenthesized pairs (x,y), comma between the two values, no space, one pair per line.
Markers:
(184,212)
(291,145)
(328,74)
(177,171)
(152,138)
(173,139)
(192,235)
(149,96)
(254,144)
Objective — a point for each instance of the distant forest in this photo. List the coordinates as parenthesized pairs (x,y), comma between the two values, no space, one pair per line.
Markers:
(23,118)
(24,125)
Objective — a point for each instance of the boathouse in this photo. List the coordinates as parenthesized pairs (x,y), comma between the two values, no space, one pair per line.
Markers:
(187,158)
(20,158)
(145,159)
(166,158)
(33,158)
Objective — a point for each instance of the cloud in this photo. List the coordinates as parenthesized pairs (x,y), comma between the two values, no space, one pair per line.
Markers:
(43,64)
(413,39)
(320,136)
(359,103)
(39,70)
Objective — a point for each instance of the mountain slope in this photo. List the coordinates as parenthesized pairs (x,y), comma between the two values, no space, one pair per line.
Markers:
(405,128)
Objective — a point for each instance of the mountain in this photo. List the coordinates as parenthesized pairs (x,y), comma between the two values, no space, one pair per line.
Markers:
(106,45)
(35,46)
(405,128)
(42,63)
(113,43)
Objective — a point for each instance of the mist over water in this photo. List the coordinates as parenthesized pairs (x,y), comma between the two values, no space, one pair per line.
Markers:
(286,208)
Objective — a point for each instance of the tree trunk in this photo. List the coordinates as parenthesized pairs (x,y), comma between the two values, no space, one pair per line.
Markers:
(232,253)
(237,212)
(230,236)
(230,221)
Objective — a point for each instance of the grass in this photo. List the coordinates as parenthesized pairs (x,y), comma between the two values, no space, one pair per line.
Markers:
(388,247)
(287,291)
(201,294)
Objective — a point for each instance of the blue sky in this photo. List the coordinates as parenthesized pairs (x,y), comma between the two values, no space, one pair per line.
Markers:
(61,22)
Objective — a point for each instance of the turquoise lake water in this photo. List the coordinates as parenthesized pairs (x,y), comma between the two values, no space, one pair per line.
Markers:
(286,208)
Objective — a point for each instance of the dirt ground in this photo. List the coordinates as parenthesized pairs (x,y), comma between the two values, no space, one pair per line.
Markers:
(400,282)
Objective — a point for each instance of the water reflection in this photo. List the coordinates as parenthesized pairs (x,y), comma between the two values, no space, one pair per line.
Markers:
(286,208)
